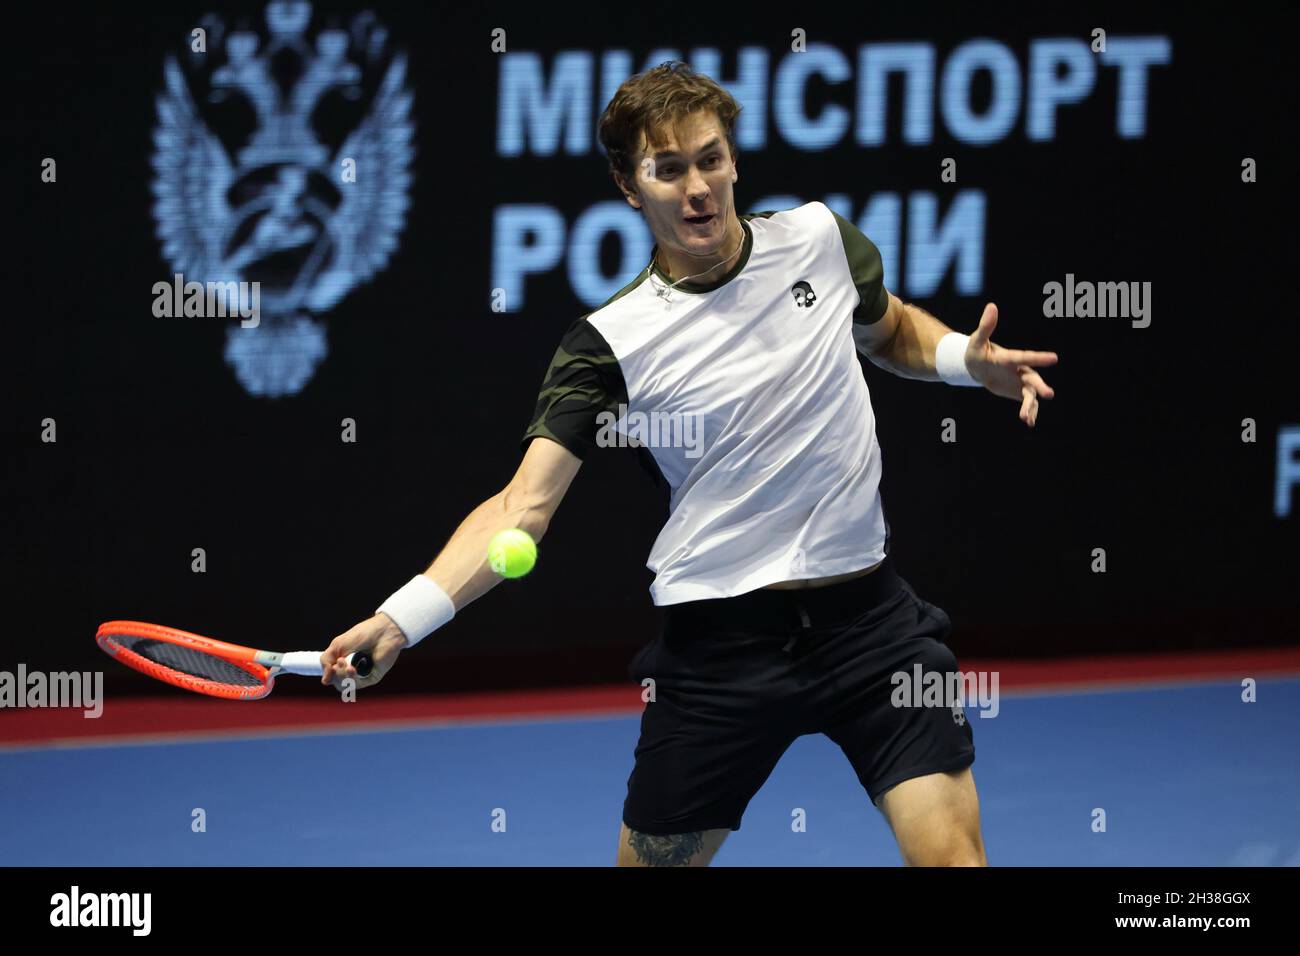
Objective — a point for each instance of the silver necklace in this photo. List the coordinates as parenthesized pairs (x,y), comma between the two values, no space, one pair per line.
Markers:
(665,291)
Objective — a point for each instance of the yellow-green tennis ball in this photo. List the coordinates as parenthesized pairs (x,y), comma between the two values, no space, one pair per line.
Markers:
(512,553)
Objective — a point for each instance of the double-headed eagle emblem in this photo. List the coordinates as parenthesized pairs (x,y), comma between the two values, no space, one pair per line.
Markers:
(283,158)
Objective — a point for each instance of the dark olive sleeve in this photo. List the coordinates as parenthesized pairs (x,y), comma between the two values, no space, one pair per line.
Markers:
(867,270)
(582,381)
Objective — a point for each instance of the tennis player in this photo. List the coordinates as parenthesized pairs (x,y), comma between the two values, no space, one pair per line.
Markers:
(784,614)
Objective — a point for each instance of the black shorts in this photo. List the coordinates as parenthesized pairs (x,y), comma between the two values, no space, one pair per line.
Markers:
(738,680)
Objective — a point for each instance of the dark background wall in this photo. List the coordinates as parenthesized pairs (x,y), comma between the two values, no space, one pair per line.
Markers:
(160,450)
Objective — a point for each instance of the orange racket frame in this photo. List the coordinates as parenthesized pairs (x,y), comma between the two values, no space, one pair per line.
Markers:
(261,665)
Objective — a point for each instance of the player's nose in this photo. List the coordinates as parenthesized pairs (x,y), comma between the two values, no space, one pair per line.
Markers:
(696,187)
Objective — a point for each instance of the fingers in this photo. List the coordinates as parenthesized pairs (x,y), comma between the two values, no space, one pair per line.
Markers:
(1029,405)
(367,636)
(988,322)
(377,672)
(1029,377)
(343,671)
(330,656)
(333,660)
(1021,357)
(334,675)
(1032,387)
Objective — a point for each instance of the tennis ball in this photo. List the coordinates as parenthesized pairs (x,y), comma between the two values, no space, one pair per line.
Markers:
(512,553)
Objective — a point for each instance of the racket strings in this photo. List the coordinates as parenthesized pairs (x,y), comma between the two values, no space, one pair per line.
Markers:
(187,660)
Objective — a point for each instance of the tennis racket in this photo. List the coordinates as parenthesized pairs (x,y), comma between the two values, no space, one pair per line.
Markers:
(207,666)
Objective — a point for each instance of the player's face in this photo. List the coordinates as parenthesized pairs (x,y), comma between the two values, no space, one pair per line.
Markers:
(684,188)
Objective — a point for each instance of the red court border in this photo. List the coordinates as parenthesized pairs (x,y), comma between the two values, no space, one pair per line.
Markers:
(180,715)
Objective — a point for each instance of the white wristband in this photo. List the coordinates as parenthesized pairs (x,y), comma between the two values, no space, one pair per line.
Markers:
(950,359)
(418,608)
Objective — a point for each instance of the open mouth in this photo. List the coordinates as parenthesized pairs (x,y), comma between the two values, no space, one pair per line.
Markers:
(700,220)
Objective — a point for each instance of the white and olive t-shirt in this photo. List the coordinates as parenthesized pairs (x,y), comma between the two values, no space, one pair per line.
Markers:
(748,395)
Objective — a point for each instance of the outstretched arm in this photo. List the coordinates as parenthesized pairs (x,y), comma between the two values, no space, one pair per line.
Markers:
(529,502)
(906,341)
(461,570)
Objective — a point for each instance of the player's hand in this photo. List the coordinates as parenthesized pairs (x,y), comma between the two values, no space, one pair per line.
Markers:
(378,636)
(1008,372)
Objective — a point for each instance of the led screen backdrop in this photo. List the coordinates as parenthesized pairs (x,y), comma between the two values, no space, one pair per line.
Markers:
(399,211)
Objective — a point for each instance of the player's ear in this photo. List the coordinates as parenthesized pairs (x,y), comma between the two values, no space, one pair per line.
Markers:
(628,194)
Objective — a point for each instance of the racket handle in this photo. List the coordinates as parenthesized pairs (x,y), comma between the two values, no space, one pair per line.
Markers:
(362,662)
(308,663)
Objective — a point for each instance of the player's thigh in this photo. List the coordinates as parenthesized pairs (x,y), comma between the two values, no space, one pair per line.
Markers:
(936,819)
(678,849)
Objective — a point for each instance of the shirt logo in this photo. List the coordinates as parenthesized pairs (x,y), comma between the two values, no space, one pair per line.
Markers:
(804,296)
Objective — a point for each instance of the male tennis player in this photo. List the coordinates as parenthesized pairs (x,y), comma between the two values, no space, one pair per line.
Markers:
(784,613)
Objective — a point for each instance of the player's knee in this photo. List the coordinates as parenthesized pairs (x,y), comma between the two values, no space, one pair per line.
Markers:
(958,851)
(965,854)
(955,844)
(676,849)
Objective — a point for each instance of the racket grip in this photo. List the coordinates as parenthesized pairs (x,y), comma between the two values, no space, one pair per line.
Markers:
(308,662)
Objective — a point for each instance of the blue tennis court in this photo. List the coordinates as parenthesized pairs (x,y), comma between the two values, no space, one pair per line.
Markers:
(1187,775)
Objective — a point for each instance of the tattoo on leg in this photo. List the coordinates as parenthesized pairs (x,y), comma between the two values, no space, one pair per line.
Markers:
(674,850)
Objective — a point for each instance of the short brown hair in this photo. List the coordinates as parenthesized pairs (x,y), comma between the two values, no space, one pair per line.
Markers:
(657,99)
